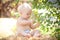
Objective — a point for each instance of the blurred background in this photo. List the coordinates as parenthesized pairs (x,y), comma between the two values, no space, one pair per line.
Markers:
(47,12)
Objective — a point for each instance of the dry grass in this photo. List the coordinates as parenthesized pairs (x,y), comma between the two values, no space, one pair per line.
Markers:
(42,37)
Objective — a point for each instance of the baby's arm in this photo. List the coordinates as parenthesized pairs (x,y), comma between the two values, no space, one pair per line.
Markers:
(34,25)
(22,22)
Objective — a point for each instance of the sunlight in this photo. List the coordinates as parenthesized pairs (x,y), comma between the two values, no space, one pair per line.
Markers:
(7,26)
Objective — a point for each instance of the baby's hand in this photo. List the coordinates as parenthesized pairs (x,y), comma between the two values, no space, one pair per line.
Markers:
(32,21)
(37,24)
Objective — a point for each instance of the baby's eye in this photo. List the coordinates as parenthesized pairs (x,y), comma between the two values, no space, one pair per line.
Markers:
(28,14)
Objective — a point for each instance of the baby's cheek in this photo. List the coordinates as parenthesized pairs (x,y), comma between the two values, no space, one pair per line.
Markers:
(26,16)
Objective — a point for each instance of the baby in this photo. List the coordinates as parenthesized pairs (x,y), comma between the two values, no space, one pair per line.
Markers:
(24,24)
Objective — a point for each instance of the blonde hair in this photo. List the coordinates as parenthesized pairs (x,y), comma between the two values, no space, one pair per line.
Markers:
(24,7)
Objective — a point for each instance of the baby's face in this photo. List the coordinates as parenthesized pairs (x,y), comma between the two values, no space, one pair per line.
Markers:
(26,14)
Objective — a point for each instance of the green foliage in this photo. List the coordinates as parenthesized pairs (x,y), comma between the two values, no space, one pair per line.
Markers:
(57,34)
(48,16)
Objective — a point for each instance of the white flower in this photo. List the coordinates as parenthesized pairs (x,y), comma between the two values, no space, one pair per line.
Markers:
(52,19)
(43,11)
